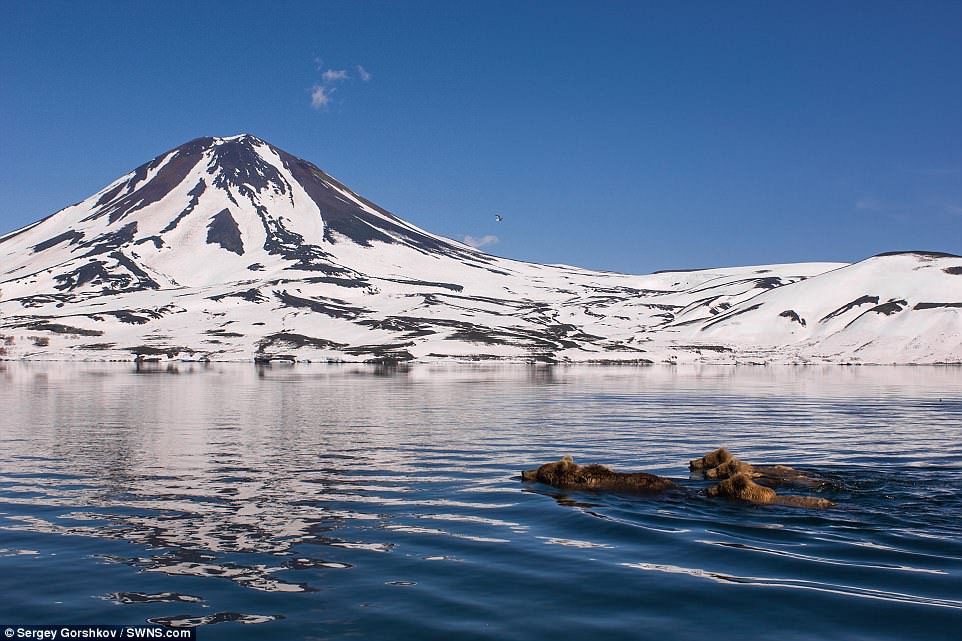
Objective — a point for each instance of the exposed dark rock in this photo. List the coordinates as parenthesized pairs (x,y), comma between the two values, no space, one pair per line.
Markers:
(221,333)
(708,348)
(39,300)
(381,353)
(411,327)
(724,318)
(57,328)
(288,339)
(288,244)
(770,282)
(242,167)
(223,231)
(469,332)
(935,305)
(917,252)
(96,346)
(130,318)
(110,241)
(194,199)
(889,308)
(330,306)
(144,281)
(150,350)
(425,283)
(84,274)
(862,300)
(129,278)
(109,195)
(73,236)
(468,357)
(253,295)
(156,240)
(793,315)
(137,316)
(344,217)
(955,270)
(181,161)
(356,283)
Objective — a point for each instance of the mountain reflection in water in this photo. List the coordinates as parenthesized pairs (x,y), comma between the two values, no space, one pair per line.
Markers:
(338,501)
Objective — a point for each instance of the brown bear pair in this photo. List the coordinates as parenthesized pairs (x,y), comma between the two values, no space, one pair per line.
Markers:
(741,480)
(721,464)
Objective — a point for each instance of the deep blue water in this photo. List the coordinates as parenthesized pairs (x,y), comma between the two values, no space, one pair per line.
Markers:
(326,502)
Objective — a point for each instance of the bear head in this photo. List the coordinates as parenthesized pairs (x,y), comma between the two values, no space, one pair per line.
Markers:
(729,469)
(710,460)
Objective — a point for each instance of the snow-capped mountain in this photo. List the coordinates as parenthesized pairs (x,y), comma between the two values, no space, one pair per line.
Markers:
(232,249)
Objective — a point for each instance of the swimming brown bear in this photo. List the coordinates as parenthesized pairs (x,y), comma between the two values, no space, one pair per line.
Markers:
(710,460)
(741,486)
(568,475)
(768,475)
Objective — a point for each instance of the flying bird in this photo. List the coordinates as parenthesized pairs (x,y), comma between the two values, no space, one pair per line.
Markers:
(498,217)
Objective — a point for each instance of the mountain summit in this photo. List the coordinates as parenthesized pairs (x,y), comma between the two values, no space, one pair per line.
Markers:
(232,249)
(205,207)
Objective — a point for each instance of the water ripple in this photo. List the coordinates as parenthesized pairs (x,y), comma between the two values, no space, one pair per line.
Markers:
(800,584)
(316,501)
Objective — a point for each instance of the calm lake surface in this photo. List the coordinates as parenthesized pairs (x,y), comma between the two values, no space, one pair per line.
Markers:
(346,502)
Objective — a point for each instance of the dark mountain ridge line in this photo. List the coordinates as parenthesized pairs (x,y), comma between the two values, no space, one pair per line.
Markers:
(325,236)
(918,252)
(179,162)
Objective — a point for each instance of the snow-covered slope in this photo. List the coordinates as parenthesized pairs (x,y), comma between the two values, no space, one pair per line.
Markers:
(232,249)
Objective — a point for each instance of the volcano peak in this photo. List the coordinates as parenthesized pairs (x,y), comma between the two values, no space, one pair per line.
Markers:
(228,248)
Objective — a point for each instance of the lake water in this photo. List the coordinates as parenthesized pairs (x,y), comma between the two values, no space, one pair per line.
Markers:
(346,502)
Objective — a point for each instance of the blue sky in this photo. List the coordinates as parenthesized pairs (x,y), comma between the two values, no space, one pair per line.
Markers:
(630,136)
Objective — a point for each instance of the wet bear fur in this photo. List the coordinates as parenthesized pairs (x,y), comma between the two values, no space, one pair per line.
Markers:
(730,468)
(768,475)
(710,460)
(568,475)
(741,486)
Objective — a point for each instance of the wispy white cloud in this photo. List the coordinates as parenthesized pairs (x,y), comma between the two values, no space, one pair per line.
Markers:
(477,243)
(869,203)
(907,210)
(321,96)
(333,75)
(322,92)
(937,171)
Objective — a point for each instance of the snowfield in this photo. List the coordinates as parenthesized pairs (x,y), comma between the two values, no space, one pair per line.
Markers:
(231,249)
